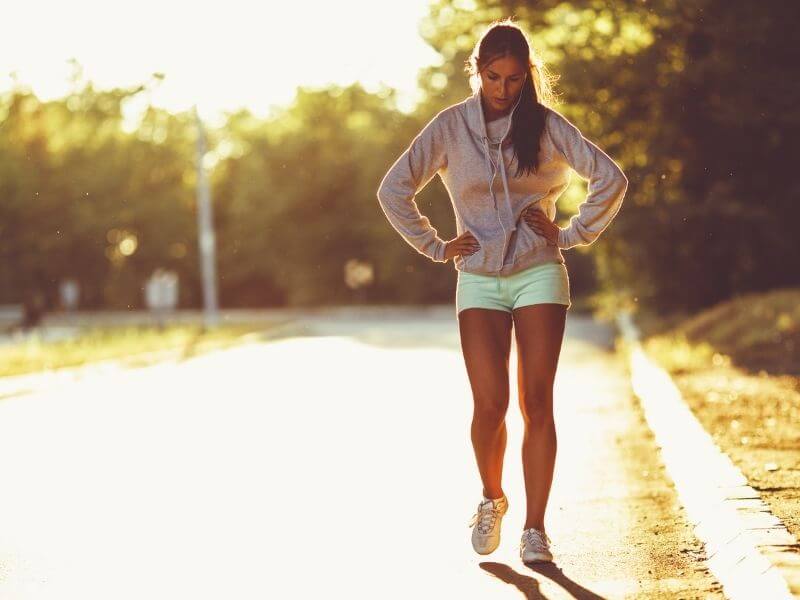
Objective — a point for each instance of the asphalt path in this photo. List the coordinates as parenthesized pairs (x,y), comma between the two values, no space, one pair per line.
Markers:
(334,462)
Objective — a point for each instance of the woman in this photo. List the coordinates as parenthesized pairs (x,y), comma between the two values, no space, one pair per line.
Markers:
(505,158)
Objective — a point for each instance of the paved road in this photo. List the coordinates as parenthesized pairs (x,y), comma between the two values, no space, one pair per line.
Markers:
(333,463)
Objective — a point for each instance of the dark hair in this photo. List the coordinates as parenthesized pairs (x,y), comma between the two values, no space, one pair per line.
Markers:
(505,38)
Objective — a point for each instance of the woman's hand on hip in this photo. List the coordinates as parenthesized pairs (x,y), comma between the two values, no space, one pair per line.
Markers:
(463,245)
(538,221)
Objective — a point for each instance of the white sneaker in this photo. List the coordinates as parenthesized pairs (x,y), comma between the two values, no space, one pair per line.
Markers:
(535,546)
(487,519)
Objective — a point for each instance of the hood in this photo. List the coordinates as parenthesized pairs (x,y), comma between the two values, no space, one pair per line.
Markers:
(477,124)
(475,117)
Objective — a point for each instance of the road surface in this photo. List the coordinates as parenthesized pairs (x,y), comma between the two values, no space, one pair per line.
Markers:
(335,462)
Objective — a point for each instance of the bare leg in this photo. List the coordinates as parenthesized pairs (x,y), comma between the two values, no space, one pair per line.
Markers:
(539,331)
(486,344)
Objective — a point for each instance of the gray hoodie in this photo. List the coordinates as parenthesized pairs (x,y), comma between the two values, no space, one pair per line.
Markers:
(486,197)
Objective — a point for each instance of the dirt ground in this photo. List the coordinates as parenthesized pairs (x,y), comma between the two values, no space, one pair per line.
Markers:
(755,419)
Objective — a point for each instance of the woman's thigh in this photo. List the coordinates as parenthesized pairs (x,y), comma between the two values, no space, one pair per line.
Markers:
(486,344)
(539,332)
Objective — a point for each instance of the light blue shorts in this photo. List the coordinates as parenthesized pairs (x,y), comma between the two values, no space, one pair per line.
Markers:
(544,283)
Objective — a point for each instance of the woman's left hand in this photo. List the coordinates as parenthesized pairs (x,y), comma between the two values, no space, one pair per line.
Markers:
(538,221)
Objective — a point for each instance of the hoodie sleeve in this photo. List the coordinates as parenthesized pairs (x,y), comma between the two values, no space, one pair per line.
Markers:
(607,183)
(407,176)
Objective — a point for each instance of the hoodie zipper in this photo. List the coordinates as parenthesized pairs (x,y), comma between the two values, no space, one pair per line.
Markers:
(501,167)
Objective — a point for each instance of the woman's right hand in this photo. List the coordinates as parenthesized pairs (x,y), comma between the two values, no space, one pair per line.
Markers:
(463,245)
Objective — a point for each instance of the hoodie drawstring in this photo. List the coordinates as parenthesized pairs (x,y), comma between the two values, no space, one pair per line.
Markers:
(502,163)
(491,168)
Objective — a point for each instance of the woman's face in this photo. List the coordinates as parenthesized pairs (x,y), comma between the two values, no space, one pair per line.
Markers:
(501,82)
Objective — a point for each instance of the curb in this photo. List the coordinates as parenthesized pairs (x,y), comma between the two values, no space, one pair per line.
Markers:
(749,549)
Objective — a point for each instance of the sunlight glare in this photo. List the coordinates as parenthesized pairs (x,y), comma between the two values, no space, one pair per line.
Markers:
(248,55)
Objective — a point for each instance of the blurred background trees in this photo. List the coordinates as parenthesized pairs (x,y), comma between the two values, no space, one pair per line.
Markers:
(695,101)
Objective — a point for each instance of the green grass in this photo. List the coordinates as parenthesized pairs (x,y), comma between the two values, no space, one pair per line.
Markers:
(137,345)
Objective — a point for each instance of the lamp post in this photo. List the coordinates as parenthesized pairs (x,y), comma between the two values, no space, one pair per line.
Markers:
(205,233)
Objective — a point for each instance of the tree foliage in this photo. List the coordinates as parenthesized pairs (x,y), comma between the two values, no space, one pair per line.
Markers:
(695,101)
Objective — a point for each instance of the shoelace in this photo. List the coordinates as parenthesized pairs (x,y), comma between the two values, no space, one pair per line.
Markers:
(486,516)
(537,538)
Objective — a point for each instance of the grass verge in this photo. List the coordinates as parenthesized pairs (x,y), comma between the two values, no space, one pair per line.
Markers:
(131,345)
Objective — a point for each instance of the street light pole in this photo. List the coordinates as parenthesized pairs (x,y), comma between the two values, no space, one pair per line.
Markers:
(205,233)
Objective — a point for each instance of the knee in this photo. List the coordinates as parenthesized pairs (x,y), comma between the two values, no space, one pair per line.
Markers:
(536,405)
(490,413)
